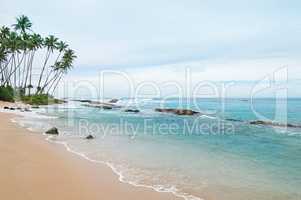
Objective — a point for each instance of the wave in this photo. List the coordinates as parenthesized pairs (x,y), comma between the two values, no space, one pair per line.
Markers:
(121,177)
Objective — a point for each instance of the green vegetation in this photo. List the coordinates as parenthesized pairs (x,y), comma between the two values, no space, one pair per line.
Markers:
(21,75)
(6,93)
(41,99)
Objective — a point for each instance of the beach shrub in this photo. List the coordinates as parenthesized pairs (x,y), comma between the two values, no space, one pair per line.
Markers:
(41,99)
(7,93)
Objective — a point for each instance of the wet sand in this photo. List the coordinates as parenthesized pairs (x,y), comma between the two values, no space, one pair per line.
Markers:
(33,169)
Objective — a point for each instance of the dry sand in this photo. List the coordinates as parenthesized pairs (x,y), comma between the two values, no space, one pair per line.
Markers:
(33,169)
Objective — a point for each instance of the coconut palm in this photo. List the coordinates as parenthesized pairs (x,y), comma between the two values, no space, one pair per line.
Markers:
(4,32)
(13,45)
(35,42)
(65,66)
(3,60)
(50,43)
(61,46)
(17,52)
(23,24)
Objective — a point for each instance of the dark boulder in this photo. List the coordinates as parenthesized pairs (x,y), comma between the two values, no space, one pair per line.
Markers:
(89,137)
(176,111)
(234,120)
(12,108)
(6,108)
(260,122)
(106,107)
(52,131)
(276,124)
(85,101)
(132,110)
(113,100)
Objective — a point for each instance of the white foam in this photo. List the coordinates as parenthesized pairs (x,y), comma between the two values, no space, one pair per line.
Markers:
(158,188)
(207,116)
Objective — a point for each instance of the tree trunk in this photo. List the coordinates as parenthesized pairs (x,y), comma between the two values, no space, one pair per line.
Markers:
(57,83)
(43,69)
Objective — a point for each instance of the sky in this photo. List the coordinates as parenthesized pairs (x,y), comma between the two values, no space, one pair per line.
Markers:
(158,41)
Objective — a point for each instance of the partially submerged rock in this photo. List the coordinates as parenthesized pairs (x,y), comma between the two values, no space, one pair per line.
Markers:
(113,100)
(12,108)
(105,106)
(271,123)
(89,137)
(6,108)
(177,111)
(84,101)
(234,120)
(52,131)
(132,110)
(35,107)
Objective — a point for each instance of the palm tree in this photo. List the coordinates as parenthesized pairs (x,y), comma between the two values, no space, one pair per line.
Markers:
(61,46)
(25,46)
(67,63)
(4,33)
(17,52)
(3,59)
(13,45)
(50,43)
(23,24)
(35,42)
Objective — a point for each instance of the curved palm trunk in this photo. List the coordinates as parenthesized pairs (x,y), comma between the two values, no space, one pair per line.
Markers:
(30,74)
(29,63)
(24,70)
(46,81)
(4,69)
(6,65)
(13,71)
(49,75)
(24,83)
(43,69)
(53,79)
(57,83)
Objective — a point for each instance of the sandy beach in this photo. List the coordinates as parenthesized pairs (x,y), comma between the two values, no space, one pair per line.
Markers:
(32,168)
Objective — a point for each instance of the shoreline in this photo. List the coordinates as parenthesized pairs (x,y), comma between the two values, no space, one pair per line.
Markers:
(73,177)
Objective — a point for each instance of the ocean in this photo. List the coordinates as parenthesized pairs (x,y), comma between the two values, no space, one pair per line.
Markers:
(217,154)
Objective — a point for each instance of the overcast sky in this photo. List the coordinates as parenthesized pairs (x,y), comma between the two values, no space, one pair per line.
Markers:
(233,40)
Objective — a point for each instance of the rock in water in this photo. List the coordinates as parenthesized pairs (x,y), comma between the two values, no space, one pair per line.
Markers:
(6,108)
(132,110)
(176,111)
(271,123)
(113,101)
(89,137)
(234,120)
(52,131)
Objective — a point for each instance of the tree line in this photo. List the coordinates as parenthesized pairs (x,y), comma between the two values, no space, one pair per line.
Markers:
(19,46)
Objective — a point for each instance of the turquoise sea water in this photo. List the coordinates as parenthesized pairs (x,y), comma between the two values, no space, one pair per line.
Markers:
(216,155)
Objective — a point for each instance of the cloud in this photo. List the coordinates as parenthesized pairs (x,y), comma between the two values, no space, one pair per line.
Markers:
(220,40)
